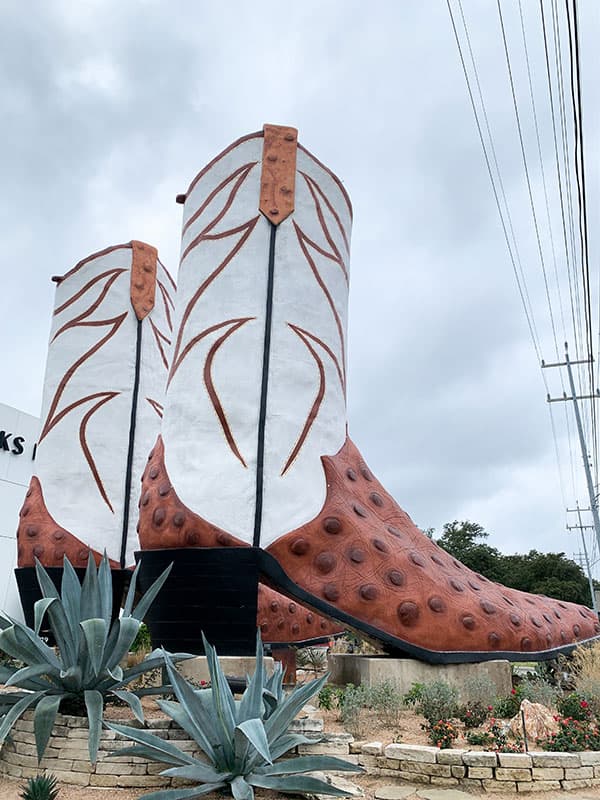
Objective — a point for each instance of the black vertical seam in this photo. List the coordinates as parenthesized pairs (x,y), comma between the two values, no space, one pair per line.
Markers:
(131,445)
(260,450)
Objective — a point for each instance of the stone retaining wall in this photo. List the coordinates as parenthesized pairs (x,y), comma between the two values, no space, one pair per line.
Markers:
(67,754)
(493,772)
(67,758)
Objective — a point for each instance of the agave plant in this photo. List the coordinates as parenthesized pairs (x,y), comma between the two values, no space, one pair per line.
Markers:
(42,787)
(240,739)
(84,668)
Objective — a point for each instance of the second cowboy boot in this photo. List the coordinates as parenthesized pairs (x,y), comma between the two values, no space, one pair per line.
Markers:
(103,395)
(254,453)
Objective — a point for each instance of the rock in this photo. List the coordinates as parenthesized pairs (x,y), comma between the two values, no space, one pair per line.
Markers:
(443,794)
(394,792)
(340,783)
(539,721)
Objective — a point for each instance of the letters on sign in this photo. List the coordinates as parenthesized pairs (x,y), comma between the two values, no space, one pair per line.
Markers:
(11,444)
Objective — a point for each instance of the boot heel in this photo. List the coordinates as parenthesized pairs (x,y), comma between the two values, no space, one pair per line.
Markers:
(210,590)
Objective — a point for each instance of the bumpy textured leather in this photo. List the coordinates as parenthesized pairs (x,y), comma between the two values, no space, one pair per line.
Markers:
(165,522)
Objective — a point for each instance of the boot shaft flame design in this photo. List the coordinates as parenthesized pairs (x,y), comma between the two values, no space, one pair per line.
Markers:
(102,405)
(260,344)
(254,449)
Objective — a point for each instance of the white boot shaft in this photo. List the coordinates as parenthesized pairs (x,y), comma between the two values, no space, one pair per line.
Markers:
(236,395)
(103,394)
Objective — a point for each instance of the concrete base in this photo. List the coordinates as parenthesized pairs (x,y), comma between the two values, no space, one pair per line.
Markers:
(196,669)
(371,670)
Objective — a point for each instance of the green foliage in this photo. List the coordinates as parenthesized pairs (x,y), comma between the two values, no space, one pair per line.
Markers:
(351,703)
(479,689)
(241,740)
(414,694)
(313,658)
(85,666)
(573,735)
(438,701)
(538,691)
(42,787)
(479,738)
(575,706)
(442,733)
(387,701)
(142,642)
(551,574)
(473,714)
(329,696)
(499,741)
(507,707)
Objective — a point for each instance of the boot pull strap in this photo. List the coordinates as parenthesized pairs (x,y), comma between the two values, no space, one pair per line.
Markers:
(143,278)
(278,176)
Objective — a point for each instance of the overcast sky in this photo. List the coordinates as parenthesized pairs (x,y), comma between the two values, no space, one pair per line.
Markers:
(110,108)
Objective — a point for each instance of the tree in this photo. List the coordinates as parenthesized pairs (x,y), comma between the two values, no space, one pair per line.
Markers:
(552,574)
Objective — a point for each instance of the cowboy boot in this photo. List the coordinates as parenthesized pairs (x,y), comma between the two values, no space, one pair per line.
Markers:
(254,451)
(103,394)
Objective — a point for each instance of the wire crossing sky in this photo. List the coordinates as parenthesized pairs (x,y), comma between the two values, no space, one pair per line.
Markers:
(465,132)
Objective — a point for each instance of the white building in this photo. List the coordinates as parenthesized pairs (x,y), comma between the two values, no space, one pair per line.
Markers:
(18,435)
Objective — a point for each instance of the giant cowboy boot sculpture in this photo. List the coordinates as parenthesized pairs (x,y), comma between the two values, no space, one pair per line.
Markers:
(254,466)
(103,395)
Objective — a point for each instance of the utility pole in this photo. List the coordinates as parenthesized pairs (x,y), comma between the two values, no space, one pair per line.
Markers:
(584,452)
(588,568)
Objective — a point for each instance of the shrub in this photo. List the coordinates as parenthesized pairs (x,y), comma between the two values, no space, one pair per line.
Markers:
(84,668)
(479,738)
(499,741)
(507,707)
(351,703)
(479,689)
(442,733)
(438,700)
(387,701)
(575,706)
(42,787)
(313,658)
(328,697)
(241,741)
(142,642)
(538,691)
(414,695)
(573,735)
(473,714)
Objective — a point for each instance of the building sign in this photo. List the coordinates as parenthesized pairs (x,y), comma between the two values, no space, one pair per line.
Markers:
(12,444)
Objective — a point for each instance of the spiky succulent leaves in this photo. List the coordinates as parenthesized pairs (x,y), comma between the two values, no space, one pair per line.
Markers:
(43,721)
(257,731)
(89,649)
(42,787)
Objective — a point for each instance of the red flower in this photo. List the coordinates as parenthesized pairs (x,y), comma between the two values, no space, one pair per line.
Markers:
(584,704)
(513,691)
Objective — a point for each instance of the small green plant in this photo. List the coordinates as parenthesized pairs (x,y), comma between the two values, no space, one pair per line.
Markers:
(473,714)
(42,787)
(479,738)
(438,700)
(84,669)
(572,735)
(575,706)
(313,658)
(499,741)
(142,642)
(387,701)
(414,694)
(507,707)
(479,689)
(329,697)
(352,702)
(442,733)
(241,740)
(538,691)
